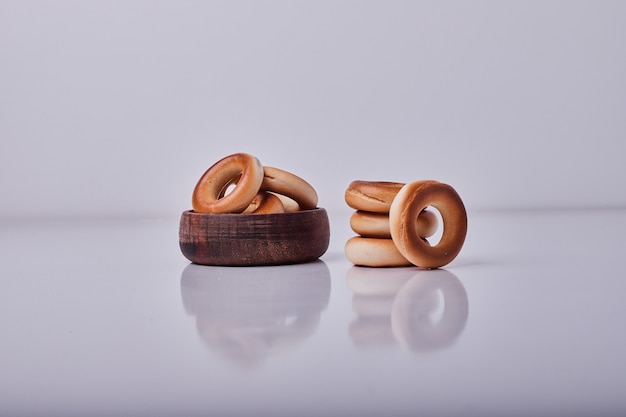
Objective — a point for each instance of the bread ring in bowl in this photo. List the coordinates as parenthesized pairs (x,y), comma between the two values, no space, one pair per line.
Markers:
(368,224)
(364,251)
(283,182)
(372,196)
(208,195)
(408,204)
(265,203)
(289,205)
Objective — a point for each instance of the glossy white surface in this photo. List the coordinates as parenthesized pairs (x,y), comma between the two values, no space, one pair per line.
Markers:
(105,317)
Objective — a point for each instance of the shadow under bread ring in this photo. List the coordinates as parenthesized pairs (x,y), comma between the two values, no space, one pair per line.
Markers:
(406,207)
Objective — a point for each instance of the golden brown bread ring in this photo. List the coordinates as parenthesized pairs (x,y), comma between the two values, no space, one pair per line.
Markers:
(208,195)
(365,251)
(373,196)
(309,195)
(407,205)
(283,182)
(265,203)
(368,224)
(289,205)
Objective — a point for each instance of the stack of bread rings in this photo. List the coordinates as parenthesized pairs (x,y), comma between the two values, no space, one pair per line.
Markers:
(393,222)
(259,189)
(245,213)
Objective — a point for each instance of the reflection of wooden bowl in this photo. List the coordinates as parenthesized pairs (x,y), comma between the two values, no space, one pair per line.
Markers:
(254,239)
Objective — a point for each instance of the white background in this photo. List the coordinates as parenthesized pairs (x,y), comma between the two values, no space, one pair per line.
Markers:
(117,107)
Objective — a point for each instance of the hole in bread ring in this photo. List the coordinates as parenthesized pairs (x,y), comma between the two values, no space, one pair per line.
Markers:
(287,184)
(408,204)
(229,186)
(209,194)
(365,251)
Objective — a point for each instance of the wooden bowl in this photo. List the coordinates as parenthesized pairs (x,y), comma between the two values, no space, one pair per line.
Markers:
(254,239)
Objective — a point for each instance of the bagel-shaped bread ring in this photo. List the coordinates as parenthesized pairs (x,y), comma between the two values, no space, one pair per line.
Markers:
(208,195)
(408,204)
(283,182)
(265,203)
(368,224)
(288,204)
(365,251)
(373,196)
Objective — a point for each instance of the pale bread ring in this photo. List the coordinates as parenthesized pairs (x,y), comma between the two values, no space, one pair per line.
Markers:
(368,224)
(265,203)
(289,204)
(407,205)
(283,182)
(374,252)
(208,194)
(373,196)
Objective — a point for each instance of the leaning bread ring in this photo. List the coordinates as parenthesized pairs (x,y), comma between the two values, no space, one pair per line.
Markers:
(368,224)
(365,251)
(287,184)
(208,195)
(408,204)
(265,203)
(373,196)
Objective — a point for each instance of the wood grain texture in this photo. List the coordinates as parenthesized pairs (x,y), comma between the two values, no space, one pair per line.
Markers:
(254,239)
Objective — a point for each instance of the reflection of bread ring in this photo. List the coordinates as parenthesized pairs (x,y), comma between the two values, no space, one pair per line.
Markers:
(290,185)
(377,281)
(374,252)
(408,204)
(210,187)
(265,203)
(374,196)
(368,224)
(412,319)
